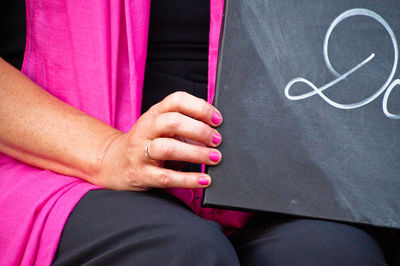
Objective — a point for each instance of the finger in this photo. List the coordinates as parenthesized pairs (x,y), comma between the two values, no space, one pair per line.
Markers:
(163,149)
(166,178)
(174,124)
(189,105)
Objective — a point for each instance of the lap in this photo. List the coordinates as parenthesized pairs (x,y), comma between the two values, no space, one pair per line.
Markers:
(282,240)
(141,228)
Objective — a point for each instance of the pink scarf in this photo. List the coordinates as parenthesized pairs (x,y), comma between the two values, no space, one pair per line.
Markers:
(90,54)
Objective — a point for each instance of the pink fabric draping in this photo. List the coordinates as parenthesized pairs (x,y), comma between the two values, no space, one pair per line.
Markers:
(90,54)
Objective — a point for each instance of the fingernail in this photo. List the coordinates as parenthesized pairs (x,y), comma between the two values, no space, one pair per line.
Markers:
(216,118)
(216,139)
(214,156)
(203,181)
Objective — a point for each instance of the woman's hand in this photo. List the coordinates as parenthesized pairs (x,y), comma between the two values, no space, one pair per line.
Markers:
(40,130)
(134,161)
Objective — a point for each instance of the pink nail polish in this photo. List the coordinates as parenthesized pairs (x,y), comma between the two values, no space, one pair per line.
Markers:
(203,181)
(216,118)
(214,156)
(216,139)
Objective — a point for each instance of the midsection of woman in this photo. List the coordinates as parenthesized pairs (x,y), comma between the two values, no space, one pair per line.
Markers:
(95,66)
(104,79)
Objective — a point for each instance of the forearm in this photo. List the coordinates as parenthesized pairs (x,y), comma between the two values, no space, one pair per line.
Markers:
(39,129)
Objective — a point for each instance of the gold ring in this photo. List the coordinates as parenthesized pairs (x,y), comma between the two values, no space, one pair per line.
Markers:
(147,151)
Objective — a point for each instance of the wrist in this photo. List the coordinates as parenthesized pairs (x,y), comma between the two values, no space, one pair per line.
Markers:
(107,160)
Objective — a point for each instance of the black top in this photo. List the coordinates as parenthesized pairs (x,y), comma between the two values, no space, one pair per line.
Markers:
(12,31)
(179,32)
(178,49)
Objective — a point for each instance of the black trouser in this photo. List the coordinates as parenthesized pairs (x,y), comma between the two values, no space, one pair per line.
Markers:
(153,228)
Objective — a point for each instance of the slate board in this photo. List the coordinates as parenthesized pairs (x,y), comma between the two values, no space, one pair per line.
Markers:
(310,96)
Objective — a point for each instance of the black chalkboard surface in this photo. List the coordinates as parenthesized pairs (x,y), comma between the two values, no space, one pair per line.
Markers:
(310,94)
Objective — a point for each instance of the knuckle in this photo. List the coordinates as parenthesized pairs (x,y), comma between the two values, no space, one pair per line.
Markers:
(176,98)
(172,122)
(157,120)
(165,180)
(156,123)
(205,109)
(169,150)
(186,182)
(154,110)
(180,94)
(200,154)
(205,132)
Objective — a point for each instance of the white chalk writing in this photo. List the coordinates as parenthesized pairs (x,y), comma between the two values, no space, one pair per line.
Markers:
(388,85)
